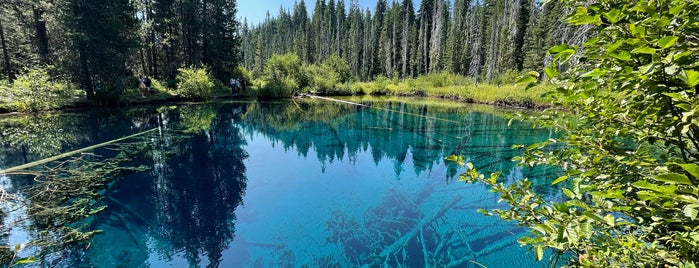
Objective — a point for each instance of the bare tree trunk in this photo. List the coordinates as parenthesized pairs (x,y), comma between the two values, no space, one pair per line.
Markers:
(404,45)
(6,55)
(475,64)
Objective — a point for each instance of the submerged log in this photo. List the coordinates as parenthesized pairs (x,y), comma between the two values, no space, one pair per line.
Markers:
(64,155)
(401,242)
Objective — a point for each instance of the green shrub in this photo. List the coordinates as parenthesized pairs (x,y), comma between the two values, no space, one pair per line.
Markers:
(379,86)
(194,83)
(160,88)
(241,72)
(283,77)
(357,89)
(337,69)
(441,79)
(34,91)
(284,88)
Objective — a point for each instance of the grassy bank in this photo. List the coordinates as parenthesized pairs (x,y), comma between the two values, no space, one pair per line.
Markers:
(285,76)
(501,95)
(37,91)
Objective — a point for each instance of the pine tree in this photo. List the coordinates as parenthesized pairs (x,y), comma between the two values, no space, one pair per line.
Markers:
(408,39)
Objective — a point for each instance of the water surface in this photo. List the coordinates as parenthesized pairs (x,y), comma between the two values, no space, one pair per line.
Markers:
(305,183)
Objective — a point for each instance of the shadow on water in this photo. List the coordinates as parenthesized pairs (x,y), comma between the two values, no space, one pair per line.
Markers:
(284,184)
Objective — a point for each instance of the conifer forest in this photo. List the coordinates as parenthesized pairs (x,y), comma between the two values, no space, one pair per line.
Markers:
(94,41)
(479,39)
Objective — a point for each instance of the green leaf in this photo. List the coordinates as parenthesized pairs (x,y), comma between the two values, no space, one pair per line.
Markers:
(684,106)
(674,178)
(674,96)
(564,55)
(646,195)
(568,193)
(676,9)
(595,73)
(529,240)
(526,79)
(26,260)
(494,177)
(585,19)
(654,187)
(667,41)
(644,50)
(690,211)
(559,180)
(620,55)
(609,193)
(639,31)
(692,169)
(539,252)
(609,219)
(613,15)
(614,46)
(691,77)
(551,71)
(558,48)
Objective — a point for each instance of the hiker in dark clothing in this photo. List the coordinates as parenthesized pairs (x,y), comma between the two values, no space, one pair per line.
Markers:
(148,84)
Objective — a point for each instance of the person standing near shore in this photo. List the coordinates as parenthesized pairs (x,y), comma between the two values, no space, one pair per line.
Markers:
(235,86)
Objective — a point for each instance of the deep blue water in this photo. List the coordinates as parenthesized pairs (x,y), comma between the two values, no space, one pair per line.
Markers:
(303,183)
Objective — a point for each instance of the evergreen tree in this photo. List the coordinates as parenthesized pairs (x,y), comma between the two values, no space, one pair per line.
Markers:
(103,36)
(424,36)
(408,39)
(340,29)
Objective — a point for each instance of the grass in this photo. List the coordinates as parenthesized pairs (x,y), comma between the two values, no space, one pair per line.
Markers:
(456,87)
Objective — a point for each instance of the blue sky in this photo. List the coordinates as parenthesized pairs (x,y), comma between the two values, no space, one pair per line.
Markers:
(255,10)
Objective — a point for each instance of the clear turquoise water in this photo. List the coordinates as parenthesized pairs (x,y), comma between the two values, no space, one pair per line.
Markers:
(294,184)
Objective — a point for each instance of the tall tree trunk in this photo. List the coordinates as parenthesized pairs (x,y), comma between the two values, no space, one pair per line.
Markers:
(205,33)
(153,48)
(6,55)
(85,77)
(41,35)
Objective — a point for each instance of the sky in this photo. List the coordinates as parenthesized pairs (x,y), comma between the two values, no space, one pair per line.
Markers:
(255,10)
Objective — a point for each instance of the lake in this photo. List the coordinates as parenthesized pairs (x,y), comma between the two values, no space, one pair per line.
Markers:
(302,183)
